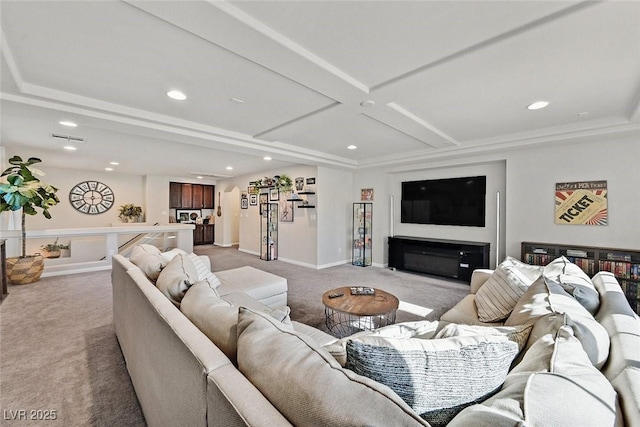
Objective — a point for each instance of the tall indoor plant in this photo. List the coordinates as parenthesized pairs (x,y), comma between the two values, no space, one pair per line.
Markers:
(22,190)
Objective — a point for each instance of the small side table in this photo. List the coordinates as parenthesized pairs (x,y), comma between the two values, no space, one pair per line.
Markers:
(348,314)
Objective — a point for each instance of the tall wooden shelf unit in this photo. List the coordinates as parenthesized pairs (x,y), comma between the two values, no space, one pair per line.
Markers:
(623,263)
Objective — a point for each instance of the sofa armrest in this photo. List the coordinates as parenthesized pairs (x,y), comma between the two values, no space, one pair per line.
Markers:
(478,277)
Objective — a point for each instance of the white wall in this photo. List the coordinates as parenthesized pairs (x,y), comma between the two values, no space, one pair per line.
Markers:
(333,216)
(297,240)
(386,184)
(531,177)
(126,189)
(525,178)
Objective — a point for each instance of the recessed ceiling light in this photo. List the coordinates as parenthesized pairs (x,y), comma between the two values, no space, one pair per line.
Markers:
(237,100)
(267,158)
(583,113)
(68,124)
(114,163)
(537,105)
(229,168)
(199,177)
(368,103)
(177,95)
(108,169)
(351,147)
(69,147)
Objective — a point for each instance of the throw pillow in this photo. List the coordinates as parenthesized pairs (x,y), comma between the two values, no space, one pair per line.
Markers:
(582,290)
(439,377)
(178,276)
(217,318)
(497,297)
(306,384)
(545,297)
(556,365)
(148,259)
(562,265)
(168,255)
(203,271)
(419,329)
(517,334)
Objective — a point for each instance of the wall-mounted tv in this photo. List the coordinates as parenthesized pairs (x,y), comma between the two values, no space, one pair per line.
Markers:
(449,201)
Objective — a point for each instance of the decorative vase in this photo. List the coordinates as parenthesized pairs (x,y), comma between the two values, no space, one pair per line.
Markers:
(21,271)
(51,254)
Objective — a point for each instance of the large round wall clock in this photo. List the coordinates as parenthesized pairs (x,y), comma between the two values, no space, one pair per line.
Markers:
(91,197)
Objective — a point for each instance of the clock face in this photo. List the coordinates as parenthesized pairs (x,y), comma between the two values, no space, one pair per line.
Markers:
(91,197)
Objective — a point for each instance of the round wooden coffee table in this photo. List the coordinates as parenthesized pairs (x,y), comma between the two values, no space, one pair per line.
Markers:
(348,314)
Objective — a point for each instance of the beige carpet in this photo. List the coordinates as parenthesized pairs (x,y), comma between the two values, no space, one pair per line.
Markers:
(59,353)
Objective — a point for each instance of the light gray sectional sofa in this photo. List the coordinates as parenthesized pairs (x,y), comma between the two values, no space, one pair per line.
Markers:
(222,351)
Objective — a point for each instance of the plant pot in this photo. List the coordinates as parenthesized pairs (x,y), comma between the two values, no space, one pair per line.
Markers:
(51,254)
(21,271)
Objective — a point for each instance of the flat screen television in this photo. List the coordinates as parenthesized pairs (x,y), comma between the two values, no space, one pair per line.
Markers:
(449,201)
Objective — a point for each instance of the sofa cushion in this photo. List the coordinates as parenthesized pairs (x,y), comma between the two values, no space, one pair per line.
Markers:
(217,318)
(436,377)
(148,258)
(306,384)
(500,293)
(554,366)
(178,276)
(203,271)
(255,283)
(546,296)
(465,311)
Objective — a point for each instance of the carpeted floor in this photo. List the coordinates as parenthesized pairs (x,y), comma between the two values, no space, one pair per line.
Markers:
(59,356)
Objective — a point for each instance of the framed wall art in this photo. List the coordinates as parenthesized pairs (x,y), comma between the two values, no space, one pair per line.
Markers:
(188,215)
(285,210)
(582,203)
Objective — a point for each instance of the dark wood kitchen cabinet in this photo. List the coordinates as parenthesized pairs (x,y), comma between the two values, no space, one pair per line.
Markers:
(203,234)
(191,196)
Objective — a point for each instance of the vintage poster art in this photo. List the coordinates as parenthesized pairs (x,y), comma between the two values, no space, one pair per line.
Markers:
(581,203)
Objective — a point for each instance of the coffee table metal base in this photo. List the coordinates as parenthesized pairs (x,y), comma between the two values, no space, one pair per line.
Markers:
(344,324)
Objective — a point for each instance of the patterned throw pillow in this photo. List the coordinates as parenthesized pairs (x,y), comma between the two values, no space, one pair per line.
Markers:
(497,297)
(203,271)
(306,384)
(439,377)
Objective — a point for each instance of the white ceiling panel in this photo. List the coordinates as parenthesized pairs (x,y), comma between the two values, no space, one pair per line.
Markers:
(441,78)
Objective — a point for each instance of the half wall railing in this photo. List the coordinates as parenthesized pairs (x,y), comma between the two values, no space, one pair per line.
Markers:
(91,249)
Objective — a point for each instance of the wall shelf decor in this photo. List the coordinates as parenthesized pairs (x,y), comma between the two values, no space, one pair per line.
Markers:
(303,202)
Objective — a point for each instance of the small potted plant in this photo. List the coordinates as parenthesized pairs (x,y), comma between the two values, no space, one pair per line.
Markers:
(22,190)
(53,250)
(129,213)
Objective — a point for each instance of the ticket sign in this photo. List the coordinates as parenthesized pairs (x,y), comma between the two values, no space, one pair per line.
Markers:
(581,203)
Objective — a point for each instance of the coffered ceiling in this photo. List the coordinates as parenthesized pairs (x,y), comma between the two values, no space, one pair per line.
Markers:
(299,81)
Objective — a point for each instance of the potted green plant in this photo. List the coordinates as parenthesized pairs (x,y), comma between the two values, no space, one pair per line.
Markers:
(22,190)
(129,213)
(53,250)
(284,183)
